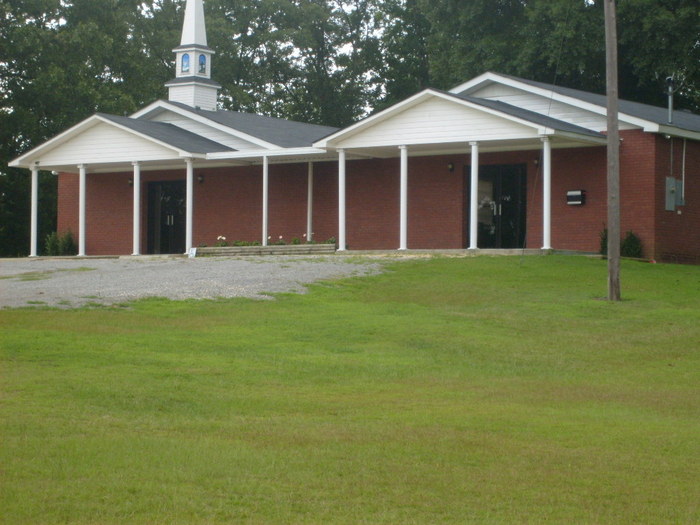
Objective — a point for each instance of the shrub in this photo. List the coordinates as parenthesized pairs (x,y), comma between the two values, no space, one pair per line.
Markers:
(66,244)
(56,244)
(51,244)
(630,246)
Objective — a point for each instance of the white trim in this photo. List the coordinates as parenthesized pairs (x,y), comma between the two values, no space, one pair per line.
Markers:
(546,194)
(164,105)
(189,209)
(403,200)
(538,129)
(277,152)
(490,77)
(310,203)
(33,245)
(136,181)
(81,208)
(680,133)
(83,127)
(474,197)
(265,200)
(342,245)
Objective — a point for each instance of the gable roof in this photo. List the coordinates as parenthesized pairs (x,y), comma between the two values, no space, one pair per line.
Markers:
(530,116)
(540,123)
(280,132)
(652,114)
(181,142)
(167,133)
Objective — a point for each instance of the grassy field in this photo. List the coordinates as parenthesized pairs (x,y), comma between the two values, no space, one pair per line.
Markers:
(444,391)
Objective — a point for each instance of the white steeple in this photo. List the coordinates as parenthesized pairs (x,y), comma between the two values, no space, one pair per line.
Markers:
(194,30)
(192,84)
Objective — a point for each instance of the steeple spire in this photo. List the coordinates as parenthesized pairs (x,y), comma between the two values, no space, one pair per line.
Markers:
(193,29)
(192,84)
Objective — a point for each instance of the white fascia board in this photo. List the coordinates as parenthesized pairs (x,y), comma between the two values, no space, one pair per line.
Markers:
(82,127)
(413,101)
(489,77)
(678,132)
(582,138)
(374,119)
(542,130)
(23,161)
(165,106)
(477,82)
(293,152)
(180,152)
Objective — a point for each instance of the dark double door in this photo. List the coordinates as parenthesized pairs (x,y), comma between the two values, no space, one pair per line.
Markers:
(501,206)
(166,217)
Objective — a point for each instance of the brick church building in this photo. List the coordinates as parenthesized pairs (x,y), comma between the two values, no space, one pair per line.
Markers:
(497,162)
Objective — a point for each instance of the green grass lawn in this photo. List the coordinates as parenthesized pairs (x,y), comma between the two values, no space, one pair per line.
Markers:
(444,390)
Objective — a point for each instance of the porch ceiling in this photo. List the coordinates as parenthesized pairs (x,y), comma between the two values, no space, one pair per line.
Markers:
(461,148)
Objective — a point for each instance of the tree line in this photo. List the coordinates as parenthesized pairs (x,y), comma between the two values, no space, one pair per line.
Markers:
(320,61)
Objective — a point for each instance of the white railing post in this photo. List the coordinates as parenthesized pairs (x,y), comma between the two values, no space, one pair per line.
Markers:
(265,200)
(341,200)
(403,205)
(189,210)
(33,245)
(137,209)
(546,194)
(474,197)
(81,209)
(310,203)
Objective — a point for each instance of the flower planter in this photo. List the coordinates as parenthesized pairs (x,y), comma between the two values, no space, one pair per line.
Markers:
(284,249)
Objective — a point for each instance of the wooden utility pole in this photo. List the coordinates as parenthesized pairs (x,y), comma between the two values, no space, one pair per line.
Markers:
(613,153)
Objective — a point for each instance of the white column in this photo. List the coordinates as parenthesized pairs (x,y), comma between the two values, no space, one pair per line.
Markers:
(189,213)
(341,200)
(265,200)
(35,213)
(310,203)
(474,197)
(403,219)
(81,209)
(137,209)
(546,194)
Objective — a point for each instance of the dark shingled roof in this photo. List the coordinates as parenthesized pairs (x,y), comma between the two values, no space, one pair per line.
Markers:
(530,116)
(659,115)
(283,133)
(172,135)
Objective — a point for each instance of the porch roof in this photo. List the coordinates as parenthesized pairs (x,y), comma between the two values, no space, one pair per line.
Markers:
(437,122)
(111,140)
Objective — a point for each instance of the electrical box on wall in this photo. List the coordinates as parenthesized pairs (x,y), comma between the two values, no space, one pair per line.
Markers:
(674,193)
(576,197)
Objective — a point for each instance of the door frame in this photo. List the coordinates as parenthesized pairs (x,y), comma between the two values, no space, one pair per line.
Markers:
(516,204)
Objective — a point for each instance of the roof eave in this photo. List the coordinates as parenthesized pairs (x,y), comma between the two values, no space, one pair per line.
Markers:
(164,105)
(674,131)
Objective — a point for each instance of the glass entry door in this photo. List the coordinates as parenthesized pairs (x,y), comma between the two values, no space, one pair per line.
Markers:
(501,202)
(166,217)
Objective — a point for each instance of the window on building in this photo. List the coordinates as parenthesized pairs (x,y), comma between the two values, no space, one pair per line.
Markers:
(185,63)
(202,64)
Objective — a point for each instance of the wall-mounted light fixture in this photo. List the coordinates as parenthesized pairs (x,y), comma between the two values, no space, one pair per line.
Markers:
(450,166)
(131,182)
(200,178)
(576,197)
(536,162)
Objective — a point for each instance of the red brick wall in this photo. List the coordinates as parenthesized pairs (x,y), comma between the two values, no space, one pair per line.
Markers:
(678,232)
(229,201)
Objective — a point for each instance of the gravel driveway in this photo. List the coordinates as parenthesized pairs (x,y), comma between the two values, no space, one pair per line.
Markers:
(69,283)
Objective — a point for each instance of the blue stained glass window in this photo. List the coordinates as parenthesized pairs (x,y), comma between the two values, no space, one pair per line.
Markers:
(185,63)
(202,64)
